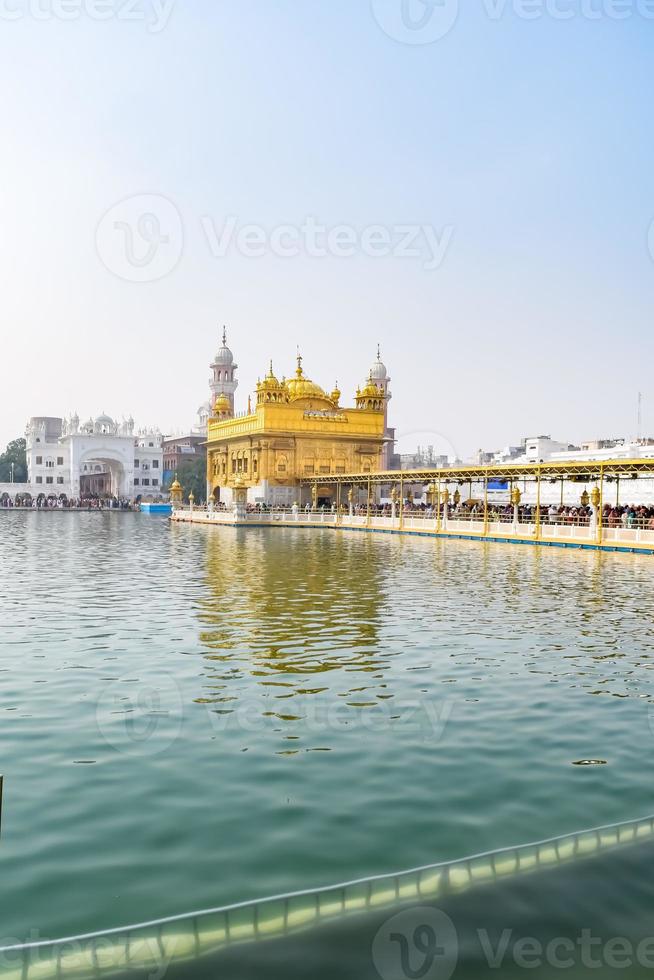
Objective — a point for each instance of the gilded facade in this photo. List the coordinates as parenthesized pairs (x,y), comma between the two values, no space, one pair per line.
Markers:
(293,430)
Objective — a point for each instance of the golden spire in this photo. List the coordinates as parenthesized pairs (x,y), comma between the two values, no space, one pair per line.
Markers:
(299,372)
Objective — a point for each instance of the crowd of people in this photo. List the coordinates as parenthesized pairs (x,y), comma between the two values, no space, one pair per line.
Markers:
(66,503)
(613,515)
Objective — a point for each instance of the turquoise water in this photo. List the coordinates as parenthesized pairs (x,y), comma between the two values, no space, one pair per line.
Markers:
(197,716)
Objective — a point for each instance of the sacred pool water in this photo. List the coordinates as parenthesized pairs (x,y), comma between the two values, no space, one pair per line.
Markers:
(193,717)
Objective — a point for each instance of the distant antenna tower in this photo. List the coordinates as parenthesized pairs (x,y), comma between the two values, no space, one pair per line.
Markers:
(640,415)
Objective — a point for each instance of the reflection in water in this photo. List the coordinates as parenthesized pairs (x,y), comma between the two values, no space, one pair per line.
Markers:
(294,614)
(277,710)
(286,617)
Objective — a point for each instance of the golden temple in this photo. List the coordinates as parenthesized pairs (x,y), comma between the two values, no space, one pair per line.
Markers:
(294,432)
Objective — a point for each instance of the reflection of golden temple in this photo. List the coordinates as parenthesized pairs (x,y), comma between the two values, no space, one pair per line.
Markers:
(277,613)
(296,431)
(281,627)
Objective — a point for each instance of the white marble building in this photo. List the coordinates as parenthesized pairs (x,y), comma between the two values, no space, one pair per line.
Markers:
(97,457)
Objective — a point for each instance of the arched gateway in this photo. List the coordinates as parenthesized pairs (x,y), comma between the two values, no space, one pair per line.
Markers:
(104,474)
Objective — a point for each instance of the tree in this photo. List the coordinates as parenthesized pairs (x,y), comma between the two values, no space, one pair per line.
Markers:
(193,477)
(16,453)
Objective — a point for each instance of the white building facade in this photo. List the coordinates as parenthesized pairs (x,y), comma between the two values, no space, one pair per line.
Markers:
(97,458)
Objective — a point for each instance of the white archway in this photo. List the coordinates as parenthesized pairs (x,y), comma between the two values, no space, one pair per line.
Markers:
(103,473)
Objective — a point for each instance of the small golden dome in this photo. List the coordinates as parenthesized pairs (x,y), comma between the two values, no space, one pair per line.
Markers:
(176,486)
(270,382)
(270,389)
(336,394)
(222,405)
(371,390)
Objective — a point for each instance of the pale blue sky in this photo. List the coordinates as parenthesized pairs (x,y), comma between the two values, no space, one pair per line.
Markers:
(526,147)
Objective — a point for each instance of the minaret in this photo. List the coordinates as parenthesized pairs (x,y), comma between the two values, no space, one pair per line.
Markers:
(223,374)
(380,376)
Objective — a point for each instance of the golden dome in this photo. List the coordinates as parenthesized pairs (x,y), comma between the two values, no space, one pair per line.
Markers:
(303,387)
(176,486)
(336,394)
(270,382)
(270,389)
(222,405)
(371,390)
(371,397)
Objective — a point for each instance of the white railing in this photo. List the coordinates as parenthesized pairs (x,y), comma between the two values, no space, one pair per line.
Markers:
(425,523)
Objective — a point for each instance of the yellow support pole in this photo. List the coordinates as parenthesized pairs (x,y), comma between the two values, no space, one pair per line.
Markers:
(368,510)
(338,502)
(538,506)
(486,503)
(401,501)
(438,505)
(600,516)
(617,490)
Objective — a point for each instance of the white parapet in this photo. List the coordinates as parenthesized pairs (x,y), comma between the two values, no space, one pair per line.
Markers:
(567,535)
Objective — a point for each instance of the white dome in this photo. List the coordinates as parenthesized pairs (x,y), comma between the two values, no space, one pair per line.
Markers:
(104,420)
(224,357)
(378,371)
